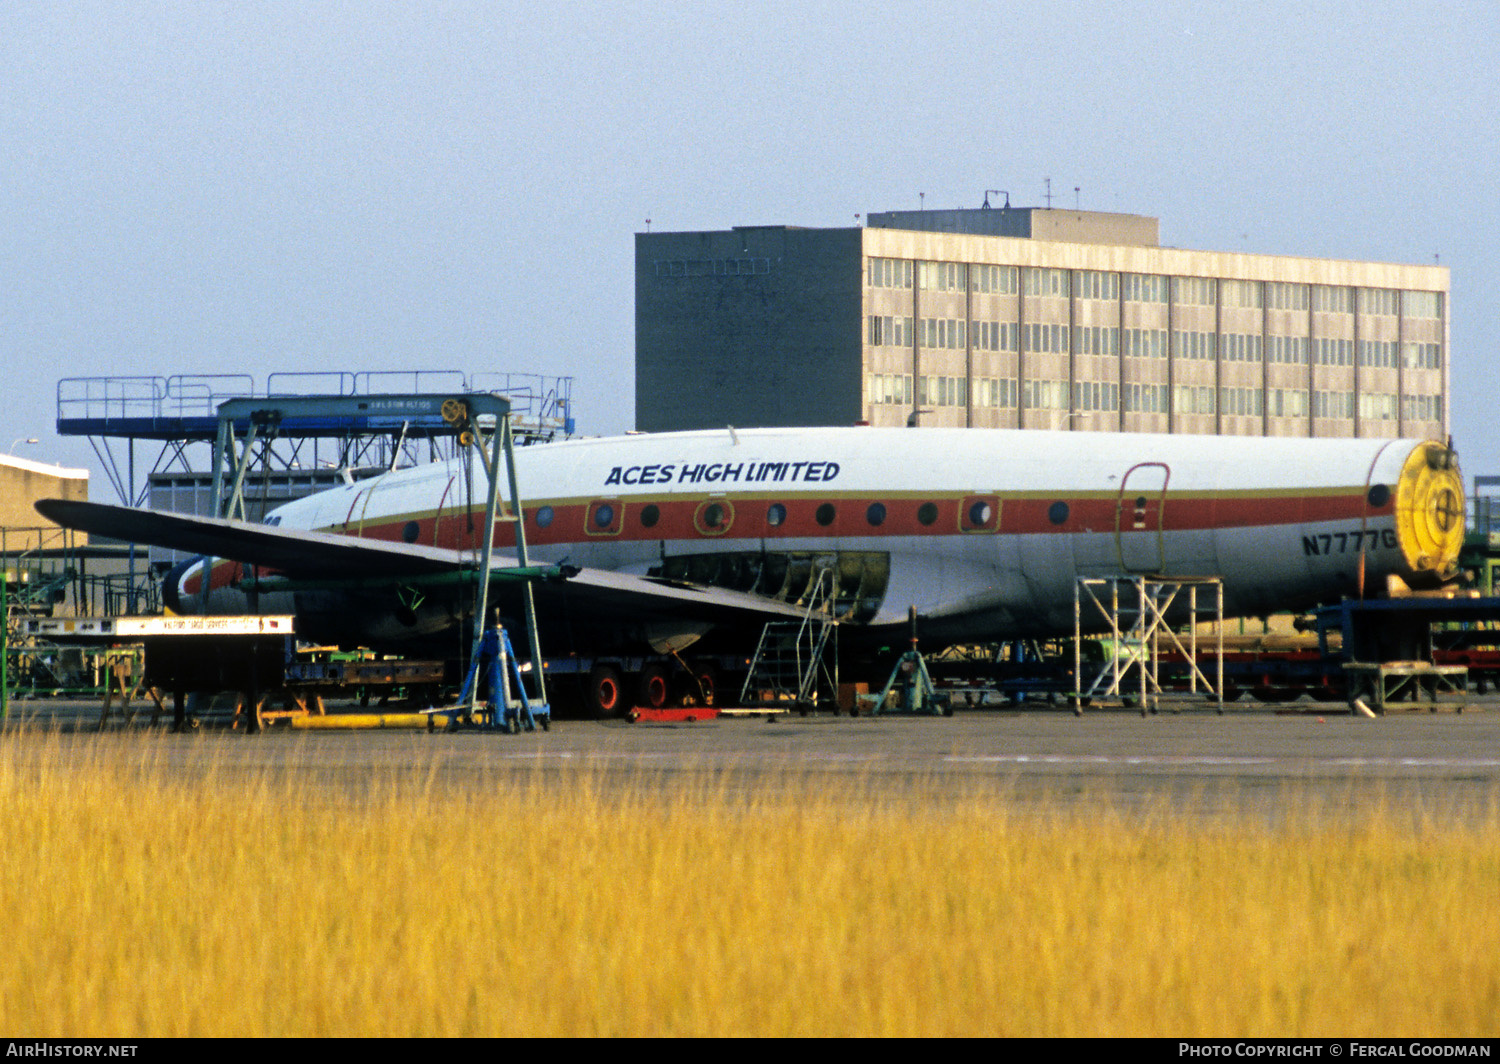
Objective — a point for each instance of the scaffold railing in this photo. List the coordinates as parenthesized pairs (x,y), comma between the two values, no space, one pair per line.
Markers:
(181,412)
(129,405)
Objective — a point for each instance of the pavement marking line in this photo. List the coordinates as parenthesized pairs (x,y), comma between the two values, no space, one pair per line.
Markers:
(1172,759)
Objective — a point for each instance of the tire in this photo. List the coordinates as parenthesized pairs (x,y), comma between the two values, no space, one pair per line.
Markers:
(653,688)
(604,696)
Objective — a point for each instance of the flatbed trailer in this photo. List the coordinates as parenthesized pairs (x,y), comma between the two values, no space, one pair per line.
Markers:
(258,657)
(245,654)
(1438,637)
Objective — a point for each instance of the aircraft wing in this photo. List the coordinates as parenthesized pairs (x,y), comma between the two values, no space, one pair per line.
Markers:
(294,552)
(321,558)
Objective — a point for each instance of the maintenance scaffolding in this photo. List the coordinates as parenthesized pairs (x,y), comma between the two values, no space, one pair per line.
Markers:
(1145,617)
(180,411)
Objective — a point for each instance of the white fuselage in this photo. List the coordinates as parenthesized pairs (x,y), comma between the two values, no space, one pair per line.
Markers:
(983,532)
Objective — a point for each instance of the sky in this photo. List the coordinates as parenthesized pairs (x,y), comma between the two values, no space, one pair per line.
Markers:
(200,188)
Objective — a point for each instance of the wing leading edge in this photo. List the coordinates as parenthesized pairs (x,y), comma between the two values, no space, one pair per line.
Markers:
(294,552)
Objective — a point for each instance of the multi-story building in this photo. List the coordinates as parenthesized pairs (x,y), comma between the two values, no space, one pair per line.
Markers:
(1031,318)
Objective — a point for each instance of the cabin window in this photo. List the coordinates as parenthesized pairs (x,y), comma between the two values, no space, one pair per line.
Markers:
(1057,513)
(605,517)
(776,514)
(713,518)
(650,514)
(979,513)
(927,513)
(410,531)
(544,517)
(825,514)
(876,514)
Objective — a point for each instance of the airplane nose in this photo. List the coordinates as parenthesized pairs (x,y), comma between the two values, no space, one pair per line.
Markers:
(1430,510)
(171,586)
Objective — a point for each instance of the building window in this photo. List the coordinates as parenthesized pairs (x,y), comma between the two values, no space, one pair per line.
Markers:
(1288,350)
(1096,340)
(942,276)
(1045,282)
(1246,294)
(1330,299)
(1283,295)
(1378,301)
(993,280)
(1336,405)
(1096,284)
(889,273)
(1422,408)
(1144,287)
(1145,398)
(1095,395)
(1377,354)
(1193,291)
(1241,402)
(1422,304)
(1420,356)
(1377,406)
(1199,346)
(1333,351)
(1146,343)
(1194,399)
(1286,402)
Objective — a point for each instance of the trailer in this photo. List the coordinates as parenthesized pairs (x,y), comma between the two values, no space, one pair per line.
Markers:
(1410,648)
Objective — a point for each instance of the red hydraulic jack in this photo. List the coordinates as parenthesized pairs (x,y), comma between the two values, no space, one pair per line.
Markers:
(672,714)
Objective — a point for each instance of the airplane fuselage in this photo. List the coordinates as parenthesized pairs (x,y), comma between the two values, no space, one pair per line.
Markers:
(983,532)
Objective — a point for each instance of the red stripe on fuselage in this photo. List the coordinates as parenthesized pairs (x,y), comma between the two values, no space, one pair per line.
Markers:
(851,517)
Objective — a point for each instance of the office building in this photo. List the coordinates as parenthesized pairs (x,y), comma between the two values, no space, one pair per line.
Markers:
(1031,318)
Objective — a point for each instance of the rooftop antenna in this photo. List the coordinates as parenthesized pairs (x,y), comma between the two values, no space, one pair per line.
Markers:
(648,225)
(995,192)
(1049,192)
(921,201)
(1076,205)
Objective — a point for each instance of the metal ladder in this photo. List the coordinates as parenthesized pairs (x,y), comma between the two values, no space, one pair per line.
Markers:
(790,662)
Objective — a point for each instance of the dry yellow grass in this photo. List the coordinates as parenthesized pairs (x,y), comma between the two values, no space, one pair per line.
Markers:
(138,903)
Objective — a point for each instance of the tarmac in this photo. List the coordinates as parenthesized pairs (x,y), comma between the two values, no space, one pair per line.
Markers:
(1253,757)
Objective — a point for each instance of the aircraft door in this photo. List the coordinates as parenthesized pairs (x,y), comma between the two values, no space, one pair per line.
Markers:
(1138,518)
